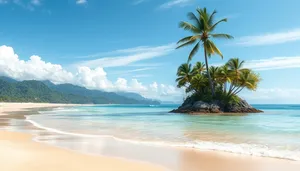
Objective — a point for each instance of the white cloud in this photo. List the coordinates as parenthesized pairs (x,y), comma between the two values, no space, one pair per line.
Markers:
(37,69)
(36,2)
(273,96)
(133,70)
(270,38)
(81,1)
(127,56)
(3,1)
(274,63)
(142,76)
(173,3)
(31,4)
(34,68)
(93,79)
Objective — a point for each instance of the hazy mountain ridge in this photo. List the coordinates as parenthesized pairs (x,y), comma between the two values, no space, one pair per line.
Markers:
(45,91)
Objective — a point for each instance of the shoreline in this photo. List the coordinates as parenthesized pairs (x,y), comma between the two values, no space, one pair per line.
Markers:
(188,159)
(166,145)
(36,156)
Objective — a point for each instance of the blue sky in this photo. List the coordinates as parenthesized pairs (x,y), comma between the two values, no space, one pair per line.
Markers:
(129,45)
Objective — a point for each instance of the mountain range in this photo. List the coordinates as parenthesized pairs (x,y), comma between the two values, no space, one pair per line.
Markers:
(45,91)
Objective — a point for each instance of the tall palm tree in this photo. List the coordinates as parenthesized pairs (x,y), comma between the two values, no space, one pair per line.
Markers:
(184,74)
(202,28)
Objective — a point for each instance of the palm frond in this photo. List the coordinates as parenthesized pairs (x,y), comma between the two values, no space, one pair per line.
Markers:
(188,26)
(214,26)
(204,17)
(193,52)
(212,17)
(224,36)
(208,48)
(215,49)
(194,18)
(186,44)
(183,40)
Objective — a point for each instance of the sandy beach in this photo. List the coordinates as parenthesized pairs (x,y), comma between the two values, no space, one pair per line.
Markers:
(19,152)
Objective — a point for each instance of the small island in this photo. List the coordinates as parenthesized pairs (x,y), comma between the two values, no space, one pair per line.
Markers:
(212,89)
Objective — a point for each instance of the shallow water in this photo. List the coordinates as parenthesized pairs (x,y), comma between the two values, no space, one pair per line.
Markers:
(275,133)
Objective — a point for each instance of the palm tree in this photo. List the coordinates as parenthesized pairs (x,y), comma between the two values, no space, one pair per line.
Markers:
(184,74)
(214,72)
(199,68)
(198,84)
(225,76)
(235,66)
(247,79)
(202,28)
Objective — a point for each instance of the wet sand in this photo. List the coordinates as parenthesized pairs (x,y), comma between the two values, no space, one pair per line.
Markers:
(19,152)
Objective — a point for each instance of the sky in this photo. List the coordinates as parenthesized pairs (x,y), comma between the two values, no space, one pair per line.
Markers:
(129,45)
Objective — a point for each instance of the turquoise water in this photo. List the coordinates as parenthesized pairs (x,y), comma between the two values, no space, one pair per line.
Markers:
(275,133)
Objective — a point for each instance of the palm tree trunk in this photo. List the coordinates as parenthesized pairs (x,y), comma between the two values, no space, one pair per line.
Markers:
(209,77)
(239,91)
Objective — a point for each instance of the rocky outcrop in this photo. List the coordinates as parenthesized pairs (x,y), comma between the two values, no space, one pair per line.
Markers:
(194,107)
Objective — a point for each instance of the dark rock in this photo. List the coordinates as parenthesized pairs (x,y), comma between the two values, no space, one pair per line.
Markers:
(192,107)
(215,108)
(201,105)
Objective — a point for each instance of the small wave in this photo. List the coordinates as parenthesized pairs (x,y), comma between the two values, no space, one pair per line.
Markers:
(245,149)
(153,105)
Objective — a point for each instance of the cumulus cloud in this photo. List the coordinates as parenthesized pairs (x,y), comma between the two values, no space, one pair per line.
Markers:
(34,68)
(37,69)
(270,38)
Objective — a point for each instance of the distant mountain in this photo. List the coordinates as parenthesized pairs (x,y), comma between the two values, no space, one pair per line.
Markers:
(45,91)
(96,95)
(29,91)
(7,79)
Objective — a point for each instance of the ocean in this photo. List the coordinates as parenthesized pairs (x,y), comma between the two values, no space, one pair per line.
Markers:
(274,133)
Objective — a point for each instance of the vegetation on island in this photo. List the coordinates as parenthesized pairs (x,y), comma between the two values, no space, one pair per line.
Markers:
(211,83)
(227,80)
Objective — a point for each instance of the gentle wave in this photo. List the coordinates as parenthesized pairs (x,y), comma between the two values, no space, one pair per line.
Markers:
(245,149)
